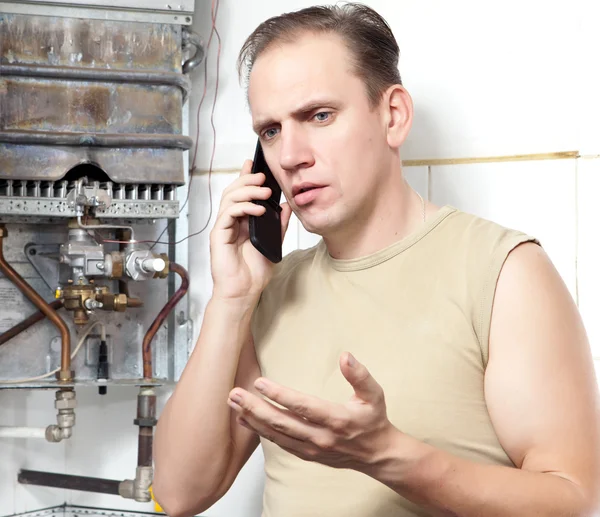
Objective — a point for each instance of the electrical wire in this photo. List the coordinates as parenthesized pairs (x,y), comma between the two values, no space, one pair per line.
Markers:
(214,30)
(84,336)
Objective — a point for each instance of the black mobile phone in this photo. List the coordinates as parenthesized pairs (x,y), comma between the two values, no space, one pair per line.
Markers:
(265,230)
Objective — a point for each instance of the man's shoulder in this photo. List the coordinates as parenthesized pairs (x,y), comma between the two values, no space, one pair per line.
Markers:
(477,233)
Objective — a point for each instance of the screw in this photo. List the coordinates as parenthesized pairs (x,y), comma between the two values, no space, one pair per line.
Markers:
(100,266)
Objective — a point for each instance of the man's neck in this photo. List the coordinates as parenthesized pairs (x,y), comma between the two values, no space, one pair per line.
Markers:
(397,214)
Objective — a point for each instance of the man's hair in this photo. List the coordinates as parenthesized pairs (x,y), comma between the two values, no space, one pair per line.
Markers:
(367,35)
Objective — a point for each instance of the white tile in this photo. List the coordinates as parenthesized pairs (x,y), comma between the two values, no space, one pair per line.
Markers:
(536,197)
(586,102)
(589,249)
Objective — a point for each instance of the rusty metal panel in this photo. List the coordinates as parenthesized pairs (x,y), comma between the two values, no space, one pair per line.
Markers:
(45,105)
(89,43)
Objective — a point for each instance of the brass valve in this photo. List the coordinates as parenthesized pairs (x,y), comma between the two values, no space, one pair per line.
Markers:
(81,299)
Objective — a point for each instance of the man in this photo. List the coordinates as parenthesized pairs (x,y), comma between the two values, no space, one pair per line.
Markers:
(418,361)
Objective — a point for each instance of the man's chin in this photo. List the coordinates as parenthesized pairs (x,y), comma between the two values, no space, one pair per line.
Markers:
(317,223)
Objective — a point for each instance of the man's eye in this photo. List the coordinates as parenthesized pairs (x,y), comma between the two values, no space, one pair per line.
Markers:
(270,133)
(322,116)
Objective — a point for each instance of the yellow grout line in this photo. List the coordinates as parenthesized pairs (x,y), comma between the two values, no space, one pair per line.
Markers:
(563,155)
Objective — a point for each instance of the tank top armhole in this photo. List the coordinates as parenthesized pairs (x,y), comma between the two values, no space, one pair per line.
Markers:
(486,298)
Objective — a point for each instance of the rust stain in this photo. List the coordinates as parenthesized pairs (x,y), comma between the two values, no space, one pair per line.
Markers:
(89,106)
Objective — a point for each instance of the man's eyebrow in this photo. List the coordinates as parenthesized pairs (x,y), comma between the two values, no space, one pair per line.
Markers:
(299,112)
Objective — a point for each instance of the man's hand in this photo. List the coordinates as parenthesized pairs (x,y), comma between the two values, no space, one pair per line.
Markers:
(354,435)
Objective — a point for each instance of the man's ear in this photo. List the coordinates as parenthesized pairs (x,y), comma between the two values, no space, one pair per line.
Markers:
(397,106)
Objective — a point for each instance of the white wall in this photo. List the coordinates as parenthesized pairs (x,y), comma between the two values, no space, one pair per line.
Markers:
(487,79)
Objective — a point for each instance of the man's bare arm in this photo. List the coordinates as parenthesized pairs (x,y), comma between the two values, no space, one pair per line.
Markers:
(542,397)
(199,448)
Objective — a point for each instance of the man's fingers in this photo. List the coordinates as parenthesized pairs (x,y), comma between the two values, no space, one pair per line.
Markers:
(365,386)
(228,218)
(265,416)
(246,193)
(302,449)
(244,180)
(246,168)
(313,409)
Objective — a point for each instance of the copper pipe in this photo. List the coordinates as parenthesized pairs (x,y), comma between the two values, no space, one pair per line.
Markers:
(39,302)
(162,315)
(28,322)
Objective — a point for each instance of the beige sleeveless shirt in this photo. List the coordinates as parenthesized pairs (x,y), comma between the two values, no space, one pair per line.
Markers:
(417,314)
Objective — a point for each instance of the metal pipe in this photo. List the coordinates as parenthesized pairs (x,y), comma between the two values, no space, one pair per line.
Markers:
(69,482)
(102,75)
(162,315)
(28,322)
(191,39)
(22,432)
(146,420)
(40,303)
(120,140)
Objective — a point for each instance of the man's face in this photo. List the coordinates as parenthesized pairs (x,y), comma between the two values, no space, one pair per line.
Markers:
(325,144)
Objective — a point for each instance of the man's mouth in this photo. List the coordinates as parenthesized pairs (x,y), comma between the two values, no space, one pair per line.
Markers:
(305,193)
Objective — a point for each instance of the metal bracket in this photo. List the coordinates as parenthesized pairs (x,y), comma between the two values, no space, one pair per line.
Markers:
(44,258)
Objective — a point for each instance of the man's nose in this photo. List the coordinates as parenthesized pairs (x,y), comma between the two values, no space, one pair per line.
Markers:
(295,151)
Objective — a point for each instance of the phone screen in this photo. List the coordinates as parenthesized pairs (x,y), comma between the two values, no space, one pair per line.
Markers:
(265,230)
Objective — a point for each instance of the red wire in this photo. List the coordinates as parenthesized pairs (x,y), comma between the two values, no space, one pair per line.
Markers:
(214,30)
